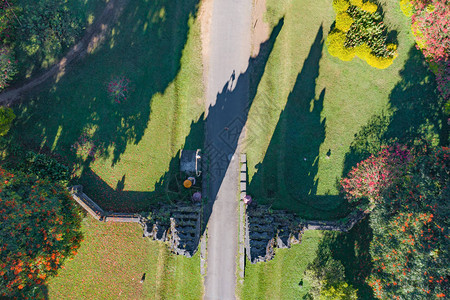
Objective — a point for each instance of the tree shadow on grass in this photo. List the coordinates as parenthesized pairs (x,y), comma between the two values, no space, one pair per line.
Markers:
(287,175)
(167,190)
(145,46)
(415,113)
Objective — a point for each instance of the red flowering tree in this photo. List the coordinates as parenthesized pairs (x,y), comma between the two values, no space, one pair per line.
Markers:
(373,175)
(410,230)
(40,229)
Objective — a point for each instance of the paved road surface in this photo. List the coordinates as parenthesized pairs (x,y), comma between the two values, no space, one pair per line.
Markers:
(227,96)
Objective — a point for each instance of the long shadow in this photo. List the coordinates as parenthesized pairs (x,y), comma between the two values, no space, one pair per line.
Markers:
(286,177)
(226,119)
(146,46)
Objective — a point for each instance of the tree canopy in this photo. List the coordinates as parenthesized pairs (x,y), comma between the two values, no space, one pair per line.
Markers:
(40,229)
(409,222)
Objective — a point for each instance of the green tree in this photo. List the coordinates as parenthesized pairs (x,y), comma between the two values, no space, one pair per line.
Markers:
(47,26)
(6,118)
(40,230)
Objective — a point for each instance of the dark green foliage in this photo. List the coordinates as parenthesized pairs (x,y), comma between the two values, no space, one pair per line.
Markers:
(8,18)
(44,166)
(6,118)
(48,24)
(7,66)
(40,230)
(45,30)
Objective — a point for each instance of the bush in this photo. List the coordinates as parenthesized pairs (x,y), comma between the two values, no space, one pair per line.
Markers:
(343,21)
(335,43)
(369,7)
(357,3)
(340,5)
(46,167)
(7,67)
(360,32)
(430,27)
(6,118)
(371,177)
(406,7)
(410,248)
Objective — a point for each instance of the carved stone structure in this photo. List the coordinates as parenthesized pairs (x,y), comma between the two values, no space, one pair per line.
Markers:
(266,229)
(181,230)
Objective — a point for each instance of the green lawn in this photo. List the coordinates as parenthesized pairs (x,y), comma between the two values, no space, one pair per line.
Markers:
(309,105)
(111,261)
(280,277)
(136,143)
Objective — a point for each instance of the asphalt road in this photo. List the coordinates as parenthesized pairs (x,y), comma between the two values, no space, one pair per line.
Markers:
(227,96)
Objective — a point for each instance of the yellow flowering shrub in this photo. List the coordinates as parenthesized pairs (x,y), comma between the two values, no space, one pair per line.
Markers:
(369,7)
(335,43)
(343,21)
(340,5)
(357,3)
(406,7)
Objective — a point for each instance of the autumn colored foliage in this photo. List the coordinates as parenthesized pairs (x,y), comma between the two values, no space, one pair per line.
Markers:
(410,225)
(40,230)
(372,176)
(430,23)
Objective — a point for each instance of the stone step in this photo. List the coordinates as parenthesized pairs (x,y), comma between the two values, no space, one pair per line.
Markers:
(178,215)
(262,236)
(260,220)
(182,223)
(190,209)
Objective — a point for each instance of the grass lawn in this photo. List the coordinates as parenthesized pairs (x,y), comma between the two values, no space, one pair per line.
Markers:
(309,105)
(111,261)
(280,277)
(127,152)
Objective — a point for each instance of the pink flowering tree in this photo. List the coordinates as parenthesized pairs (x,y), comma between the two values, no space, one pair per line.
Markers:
(431,27)
(369,178)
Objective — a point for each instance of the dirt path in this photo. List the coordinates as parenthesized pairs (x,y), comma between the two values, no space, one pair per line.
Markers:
(94,36)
